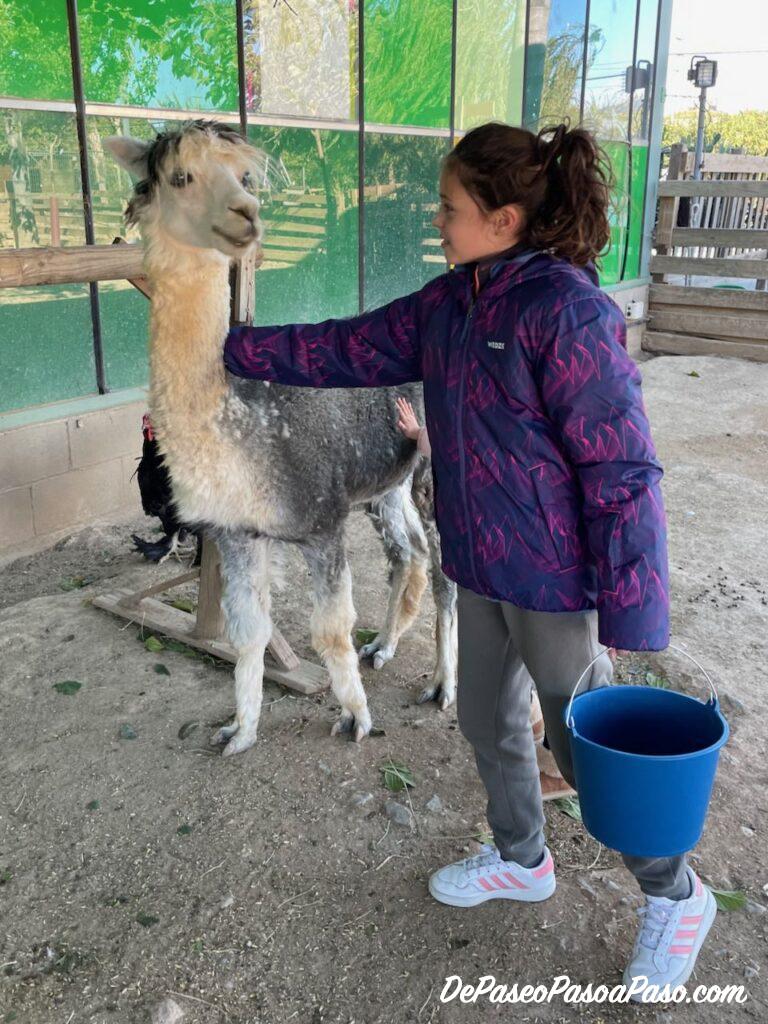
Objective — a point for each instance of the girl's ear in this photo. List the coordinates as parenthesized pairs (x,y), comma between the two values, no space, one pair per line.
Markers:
(508,220)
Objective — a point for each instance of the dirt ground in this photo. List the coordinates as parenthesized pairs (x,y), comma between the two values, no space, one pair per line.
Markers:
(273,887)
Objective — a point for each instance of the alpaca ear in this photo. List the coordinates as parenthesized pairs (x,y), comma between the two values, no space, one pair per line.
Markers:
(130,154)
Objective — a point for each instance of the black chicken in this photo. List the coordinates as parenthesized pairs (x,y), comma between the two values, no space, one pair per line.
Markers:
(157,500)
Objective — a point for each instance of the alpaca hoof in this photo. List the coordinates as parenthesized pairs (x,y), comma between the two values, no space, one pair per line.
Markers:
(443,695)
(379,651)
(381,657)
(242,740)
(368,650)
(357,728)
(223,734)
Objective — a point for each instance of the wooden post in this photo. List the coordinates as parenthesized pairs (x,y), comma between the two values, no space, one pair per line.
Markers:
(668,206)
(210,618)
(55,221)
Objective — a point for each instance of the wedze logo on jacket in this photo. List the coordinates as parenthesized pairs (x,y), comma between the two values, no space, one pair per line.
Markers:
(546,479)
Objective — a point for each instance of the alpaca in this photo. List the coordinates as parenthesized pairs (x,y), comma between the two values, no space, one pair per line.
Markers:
(259,465)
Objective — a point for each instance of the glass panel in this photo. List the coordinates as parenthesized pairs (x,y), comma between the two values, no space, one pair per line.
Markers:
(41,200)
(160,53)
(642,104)
(495,28)
(46,345)
(124,334)
(555,61)
(34,50)
(309,207)
(124,311)
(408,62)
(402,249)
(284,47)
(606,112)
(111,186)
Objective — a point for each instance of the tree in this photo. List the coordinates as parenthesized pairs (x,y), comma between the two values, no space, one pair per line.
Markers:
(747,131)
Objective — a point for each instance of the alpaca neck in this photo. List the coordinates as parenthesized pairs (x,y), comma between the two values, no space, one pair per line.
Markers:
(189,324)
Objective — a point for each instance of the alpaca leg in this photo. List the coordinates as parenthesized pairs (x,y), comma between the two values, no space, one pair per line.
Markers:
(442,687)
(331,622)
(397,522)
(245,567)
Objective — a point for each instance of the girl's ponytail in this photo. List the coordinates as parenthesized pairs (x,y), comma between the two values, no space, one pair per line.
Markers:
(572,220)
(560,178)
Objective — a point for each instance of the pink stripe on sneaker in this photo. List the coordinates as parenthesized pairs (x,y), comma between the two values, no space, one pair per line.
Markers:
(680,950)
(699,887)
(498,882)
(683,934)
(486,885)
(545,869)
(691,920)
(515,881)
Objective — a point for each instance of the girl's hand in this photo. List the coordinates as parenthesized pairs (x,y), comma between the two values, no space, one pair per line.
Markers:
(613,654)
(407,422)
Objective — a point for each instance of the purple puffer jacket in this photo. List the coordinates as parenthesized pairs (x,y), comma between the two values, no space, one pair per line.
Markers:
(546,479)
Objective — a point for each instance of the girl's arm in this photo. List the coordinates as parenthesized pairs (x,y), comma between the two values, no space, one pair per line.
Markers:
(591,389)
(377,349)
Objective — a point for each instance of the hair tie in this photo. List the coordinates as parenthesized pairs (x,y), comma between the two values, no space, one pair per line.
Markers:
(550,149)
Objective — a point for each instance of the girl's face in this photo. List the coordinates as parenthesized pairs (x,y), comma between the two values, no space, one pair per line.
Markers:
(468,233)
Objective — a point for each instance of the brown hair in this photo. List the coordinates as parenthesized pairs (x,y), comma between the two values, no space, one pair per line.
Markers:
(560,178)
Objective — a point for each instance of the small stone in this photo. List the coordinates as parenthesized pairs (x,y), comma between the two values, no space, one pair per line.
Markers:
(227,902)
(435,804)
(747,831)
(610,884)
(324,767)
(755,908)
(127,732)
(751,970)
(167,1012)
(397,813)
(584,884)
(361,799)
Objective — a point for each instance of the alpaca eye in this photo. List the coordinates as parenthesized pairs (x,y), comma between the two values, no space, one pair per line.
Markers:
(248,182)
(180,178)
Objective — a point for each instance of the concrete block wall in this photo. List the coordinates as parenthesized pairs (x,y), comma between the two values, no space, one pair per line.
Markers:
(64,473)
(635,329)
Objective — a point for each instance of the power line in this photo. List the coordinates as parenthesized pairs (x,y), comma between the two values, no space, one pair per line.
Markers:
(718,53)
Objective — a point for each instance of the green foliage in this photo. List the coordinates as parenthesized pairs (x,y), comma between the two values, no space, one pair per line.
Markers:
(396,776)
(729,899)
(68,687)
(747,130)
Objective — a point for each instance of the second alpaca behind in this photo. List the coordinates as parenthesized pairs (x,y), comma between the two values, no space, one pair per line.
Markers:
(553,785)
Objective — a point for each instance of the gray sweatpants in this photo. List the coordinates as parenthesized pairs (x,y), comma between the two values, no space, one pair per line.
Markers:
(501,647)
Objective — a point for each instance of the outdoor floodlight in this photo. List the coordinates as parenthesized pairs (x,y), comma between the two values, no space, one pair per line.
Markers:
(703,72)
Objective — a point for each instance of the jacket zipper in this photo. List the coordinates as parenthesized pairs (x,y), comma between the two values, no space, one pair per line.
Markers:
(460,420)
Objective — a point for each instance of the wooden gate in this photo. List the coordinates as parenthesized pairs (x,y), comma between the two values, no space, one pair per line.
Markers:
(716,227)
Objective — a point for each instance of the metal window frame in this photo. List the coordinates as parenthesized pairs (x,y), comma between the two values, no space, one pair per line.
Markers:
(85,184)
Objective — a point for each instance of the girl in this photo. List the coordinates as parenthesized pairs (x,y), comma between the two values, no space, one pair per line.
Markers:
(553,785)
(546,487)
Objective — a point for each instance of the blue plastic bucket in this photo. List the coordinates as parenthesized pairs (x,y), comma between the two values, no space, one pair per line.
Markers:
(644,761)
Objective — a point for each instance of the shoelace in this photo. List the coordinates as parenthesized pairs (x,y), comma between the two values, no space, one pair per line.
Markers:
(488,856)
(655,920)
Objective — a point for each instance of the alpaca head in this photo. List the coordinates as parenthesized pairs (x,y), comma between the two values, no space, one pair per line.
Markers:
(196,187)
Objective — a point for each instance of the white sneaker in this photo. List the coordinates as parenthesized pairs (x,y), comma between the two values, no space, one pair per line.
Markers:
(487,877)
(670,937)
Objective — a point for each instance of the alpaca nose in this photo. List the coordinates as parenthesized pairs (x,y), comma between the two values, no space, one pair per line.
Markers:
(244,212)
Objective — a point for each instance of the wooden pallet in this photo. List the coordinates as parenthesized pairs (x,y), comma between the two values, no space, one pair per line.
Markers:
(204,630)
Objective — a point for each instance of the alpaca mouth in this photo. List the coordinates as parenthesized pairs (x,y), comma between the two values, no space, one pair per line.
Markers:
(238,243)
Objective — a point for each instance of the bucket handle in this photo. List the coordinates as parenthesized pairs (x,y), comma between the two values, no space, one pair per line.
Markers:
(674,647)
